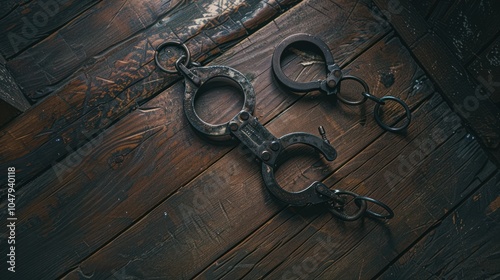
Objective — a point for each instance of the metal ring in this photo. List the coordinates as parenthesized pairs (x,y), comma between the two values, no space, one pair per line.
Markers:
(356,102)
(165,45)
(278,52)
(309,195)
(205,74)
(390,214)
(376,114)
(343,216)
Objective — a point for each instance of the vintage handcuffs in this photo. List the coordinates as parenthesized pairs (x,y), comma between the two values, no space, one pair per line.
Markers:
(331,84)
(265,146)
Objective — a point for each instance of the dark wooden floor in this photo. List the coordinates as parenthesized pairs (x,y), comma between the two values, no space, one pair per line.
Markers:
(112,182)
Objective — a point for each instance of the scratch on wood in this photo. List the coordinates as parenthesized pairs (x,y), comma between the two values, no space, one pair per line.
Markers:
(119,10)
(277,26)
(155,129)
(476,197)
(494,205)
(361,268)
(224,211)
(87,276)
(153,81)
(149,110)
(105,80)
(319,11)
(309,63)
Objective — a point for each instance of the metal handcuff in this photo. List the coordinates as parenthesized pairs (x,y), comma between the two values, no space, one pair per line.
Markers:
(331,85)
(265,146)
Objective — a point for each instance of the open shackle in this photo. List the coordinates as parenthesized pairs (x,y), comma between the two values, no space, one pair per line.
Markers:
(332,82)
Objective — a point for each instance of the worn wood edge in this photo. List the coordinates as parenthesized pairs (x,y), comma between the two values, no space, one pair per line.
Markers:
(9,91)
(442,252)
(275,124)
(483,117)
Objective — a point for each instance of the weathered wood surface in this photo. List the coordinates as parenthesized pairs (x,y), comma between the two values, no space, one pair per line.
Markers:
(464,245)
(202,217)
(213,212)
(148,198)
(113,83)
(424,7)
(107,24)
(304,245)
(466,96)
(12,101)
(468,27)
(486,69)
(29,23)
(111,170)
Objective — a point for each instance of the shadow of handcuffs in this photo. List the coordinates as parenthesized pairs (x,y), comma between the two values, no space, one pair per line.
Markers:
(261,142)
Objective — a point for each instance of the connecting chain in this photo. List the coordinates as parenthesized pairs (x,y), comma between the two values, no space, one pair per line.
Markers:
(338,202)
(366,95)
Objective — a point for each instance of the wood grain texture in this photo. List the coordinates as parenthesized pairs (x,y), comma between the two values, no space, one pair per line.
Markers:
(31,22)
(458,87)
(9,91)
(424,7)
(8,6)
(486,69)
(107,23)
(302,245)
(117,81)
(226,202)
(464,245)
(157,135)
(468,27)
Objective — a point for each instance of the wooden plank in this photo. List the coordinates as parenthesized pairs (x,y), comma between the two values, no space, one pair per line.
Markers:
(464,245)
(7,113)
(41,69)
(121,78)
(481,115)
(12,101)
(468,27)
(424,7)
(120,190)
(418,199)
(9,91)
(486,69)
(8,6)
(301,232)
(29,23)
(226,202)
